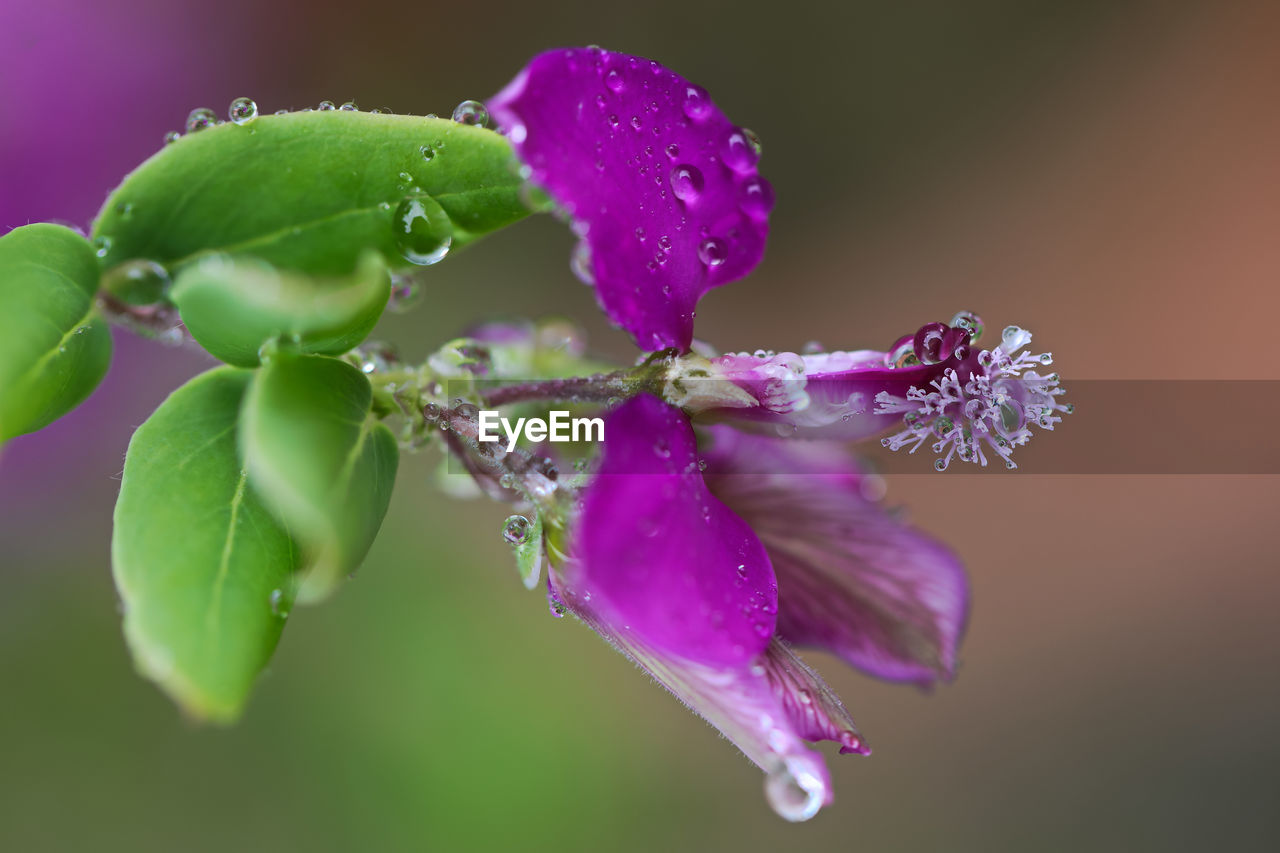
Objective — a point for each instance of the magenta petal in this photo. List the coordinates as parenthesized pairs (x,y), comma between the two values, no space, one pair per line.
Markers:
(665,186)
(768,706)
(660,557)
(851,578)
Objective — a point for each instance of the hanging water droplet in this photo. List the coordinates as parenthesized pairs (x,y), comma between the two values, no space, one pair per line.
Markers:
(242,111)
(406,293)
(516,530)
(580,263)
(280,605)
(349,106)
(737,152)
(422,229)
(713,252)
(199,119)
(940,464)
(686,182)
(471,112)
(172,137)
(325,106)
(794,797)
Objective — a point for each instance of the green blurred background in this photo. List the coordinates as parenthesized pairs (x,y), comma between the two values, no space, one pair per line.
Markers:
(1103,173)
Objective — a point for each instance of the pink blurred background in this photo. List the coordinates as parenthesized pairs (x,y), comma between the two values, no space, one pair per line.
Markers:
(1105,174)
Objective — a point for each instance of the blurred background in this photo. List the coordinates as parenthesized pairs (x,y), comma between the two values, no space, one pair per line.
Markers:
(1103,173)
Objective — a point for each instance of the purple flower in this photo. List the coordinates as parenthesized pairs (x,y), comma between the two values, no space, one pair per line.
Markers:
(705,581)
(936,386)
(661,186)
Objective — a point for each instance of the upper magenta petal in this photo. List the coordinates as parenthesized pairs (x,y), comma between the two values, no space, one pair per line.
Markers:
(663,188)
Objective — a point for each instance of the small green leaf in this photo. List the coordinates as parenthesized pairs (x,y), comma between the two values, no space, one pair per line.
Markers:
(54,347)
(319,460)
(233,306)
(206,574)
(310,192)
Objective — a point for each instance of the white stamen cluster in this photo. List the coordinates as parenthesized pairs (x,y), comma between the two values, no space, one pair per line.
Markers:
(992,411)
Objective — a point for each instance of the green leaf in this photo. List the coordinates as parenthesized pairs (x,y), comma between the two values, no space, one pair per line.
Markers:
(54,347)
(320,460)
(206,574)
(311,191)
(233,306)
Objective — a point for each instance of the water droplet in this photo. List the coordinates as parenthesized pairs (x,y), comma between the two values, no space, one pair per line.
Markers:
(969,322)
(614,81)
(516,530)
(697,103)
(940,464)
(427,152)
(138,282)
(325,106)
(686,182)
(903,354)
(580,263)
(280,606)
(422,229)
(406,293)
(350,106)
(673,151)
(471,112)
(242,111)
(795,797)
(172,137)
(737,152)
(754,141)
(282,112)
(756,197)
(102,245)
(713,252)
(199,119)
(931,344)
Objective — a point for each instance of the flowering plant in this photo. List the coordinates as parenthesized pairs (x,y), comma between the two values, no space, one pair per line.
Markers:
(717,522)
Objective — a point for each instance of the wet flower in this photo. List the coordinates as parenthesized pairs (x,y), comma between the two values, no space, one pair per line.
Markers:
(661,187)
(706,580)
(937,387)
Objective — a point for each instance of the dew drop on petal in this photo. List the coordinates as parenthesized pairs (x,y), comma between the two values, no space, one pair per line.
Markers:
(325,106)
(422,229)
(969,322)
(673,151)
(614,81)
(697,103)
(756,197)
(471,112)
(349,106)
(713,252)
(242,111)
(686,182)
(737,152)
(172,137)
(199,119)
(427,152)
